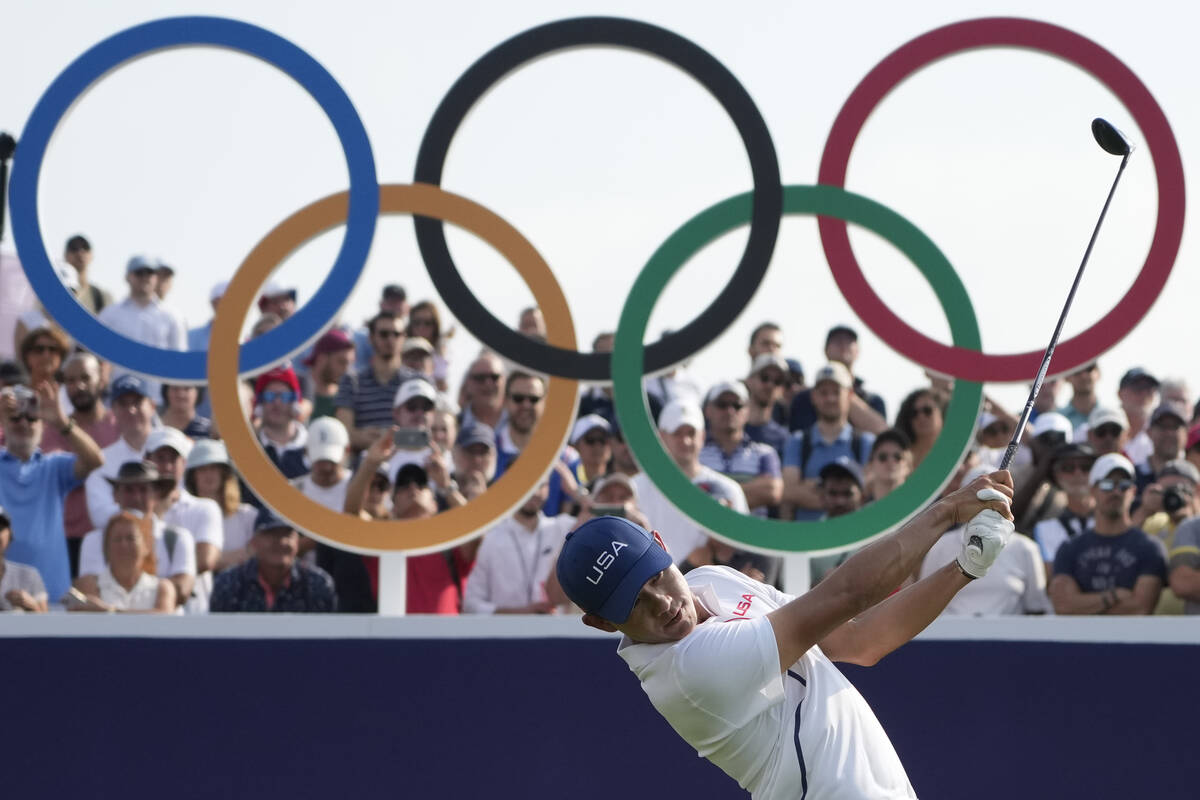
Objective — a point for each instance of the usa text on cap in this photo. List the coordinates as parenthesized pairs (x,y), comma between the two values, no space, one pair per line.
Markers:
(605,563)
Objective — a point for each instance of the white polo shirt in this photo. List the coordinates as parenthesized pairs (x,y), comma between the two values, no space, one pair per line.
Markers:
(1015,583)
(180,561)
(99,492)
(805,733)
(514,563)
(680,534)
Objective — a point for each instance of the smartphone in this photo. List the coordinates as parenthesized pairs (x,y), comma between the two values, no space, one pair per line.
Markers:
(74,597)
(411,438)
(606,510)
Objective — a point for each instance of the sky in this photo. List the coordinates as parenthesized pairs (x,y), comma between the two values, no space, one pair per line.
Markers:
(597,155)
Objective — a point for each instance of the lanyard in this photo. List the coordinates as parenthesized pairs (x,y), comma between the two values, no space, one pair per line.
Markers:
(528,571)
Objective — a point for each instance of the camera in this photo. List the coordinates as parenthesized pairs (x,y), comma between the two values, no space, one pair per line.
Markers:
(27,402)
(1175,498)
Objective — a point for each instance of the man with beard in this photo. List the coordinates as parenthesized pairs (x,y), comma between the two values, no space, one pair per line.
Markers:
(523,407)
(364,398)
(515,559)
(81,379)
(766,383)
(33,485)
(483,392)
(729,451)
(1114,568)
(332,357)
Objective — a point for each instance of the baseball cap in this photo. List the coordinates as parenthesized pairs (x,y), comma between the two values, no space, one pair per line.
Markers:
(327,440)
(1181,468)
(78,242)
(411,473)
(734,387)
(842,466)
(1072,450)
(678,413)
(1138,375)
(1193,437)
(586,423)
(1169,409)
(415,387)
(168,437)
(417,343)
(476,433)
(1104,416)
(267,520)
(1053,422)
(836,372)
(794,366)
(764,360)
(604,564)
(206,452)
(282,375)
(163,266)
(612,478)
(394,291)
(129,384)
(333,340)
(140,262)
(218,290)
(1106,464)
(841,329)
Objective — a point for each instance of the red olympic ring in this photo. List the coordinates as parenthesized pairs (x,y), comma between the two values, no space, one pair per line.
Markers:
(960,362)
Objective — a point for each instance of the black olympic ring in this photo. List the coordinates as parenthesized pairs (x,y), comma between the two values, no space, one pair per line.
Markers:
(689,57)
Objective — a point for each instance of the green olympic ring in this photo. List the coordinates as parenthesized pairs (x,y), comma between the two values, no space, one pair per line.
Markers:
(772,534)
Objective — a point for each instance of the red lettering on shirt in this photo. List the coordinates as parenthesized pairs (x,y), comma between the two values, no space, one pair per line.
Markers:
(744,606)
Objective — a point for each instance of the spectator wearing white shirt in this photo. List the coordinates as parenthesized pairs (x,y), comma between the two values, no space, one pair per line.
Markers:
(21,586)
(1138,393)
(327,446)
(1069,468)
(141,316)
(124,585)
(515,559)
(168,449)
(210,474)
(133,410)
(138,487)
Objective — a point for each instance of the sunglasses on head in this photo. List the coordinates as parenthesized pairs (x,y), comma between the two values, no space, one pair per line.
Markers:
(521,399)
(284,397)
(1108,485)
(481,377)
(725,405)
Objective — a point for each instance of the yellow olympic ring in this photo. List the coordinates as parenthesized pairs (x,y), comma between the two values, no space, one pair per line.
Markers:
(344,530)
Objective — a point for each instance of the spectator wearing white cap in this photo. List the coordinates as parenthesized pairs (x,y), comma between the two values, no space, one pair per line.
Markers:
(210,475)
(1168,436)
(141,316)
(765,385)
(168,449)
(1138,395)
(278,300)
(831,436)
(327,446)
(1114,568)
(1107,430)
(1083,394)
(866,409)
(681,425)
(415,406)
(591,437)
(729,451)
(418,355)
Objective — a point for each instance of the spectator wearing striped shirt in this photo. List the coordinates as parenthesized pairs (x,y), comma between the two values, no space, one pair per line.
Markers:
(364,399)
(729,451)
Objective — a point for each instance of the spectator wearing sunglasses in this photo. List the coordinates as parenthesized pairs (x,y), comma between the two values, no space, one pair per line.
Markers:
(769,377)
(729,451)
(365,397)
(141,316)
(867,410)
(523,406)
(1168,437)
(1107,430)
(482,397)
(1069,468)
(1114,568)
(889,466)
(830,437)
(276,394)
(920,418)
(591,436)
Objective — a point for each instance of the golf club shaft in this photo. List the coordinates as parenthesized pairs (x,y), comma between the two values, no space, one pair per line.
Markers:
(1062,318)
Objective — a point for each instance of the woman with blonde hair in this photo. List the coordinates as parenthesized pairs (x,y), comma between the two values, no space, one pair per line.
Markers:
(425,321)
(125,585)
(209,474)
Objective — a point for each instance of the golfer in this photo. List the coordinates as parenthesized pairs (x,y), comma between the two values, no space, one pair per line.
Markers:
(744,673)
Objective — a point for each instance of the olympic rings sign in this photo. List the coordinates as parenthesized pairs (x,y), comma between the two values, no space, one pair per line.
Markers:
(762,208)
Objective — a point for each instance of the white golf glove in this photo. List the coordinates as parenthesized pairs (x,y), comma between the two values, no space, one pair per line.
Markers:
(984,537)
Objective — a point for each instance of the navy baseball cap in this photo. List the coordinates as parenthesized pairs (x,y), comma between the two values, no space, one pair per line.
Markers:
(842,466)
(604,564)
(267,520)
(476,433)
(129,384)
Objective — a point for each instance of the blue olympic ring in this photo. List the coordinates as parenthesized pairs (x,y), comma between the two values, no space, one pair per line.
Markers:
(302,327)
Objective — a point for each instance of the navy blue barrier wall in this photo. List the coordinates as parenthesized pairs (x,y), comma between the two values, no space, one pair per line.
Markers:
(555,718)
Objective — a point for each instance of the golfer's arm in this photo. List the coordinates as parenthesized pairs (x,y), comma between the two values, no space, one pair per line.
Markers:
(881,629)
(863,581)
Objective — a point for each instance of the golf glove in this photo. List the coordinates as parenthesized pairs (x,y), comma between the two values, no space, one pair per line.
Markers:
(984,537)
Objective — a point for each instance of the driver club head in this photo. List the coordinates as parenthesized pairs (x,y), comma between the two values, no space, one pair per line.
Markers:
(1109,138)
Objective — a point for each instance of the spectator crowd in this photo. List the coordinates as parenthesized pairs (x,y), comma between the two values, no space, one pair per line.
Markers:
(117,494)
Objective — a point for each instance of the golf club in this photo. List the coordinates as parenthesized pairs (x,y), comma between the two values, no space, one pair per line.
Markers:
(1114,142)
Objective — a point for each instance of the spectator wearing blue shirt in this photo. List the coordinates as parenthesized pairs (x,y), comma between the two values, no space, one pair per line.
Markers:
(34,486)
(827,439)
(1113,567)
(523,407)
(729,451)
(766,383)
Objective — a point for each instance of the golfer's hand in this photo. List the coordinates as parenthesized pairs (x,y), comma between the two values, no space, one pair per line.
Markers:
(969,500)
(985,536)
